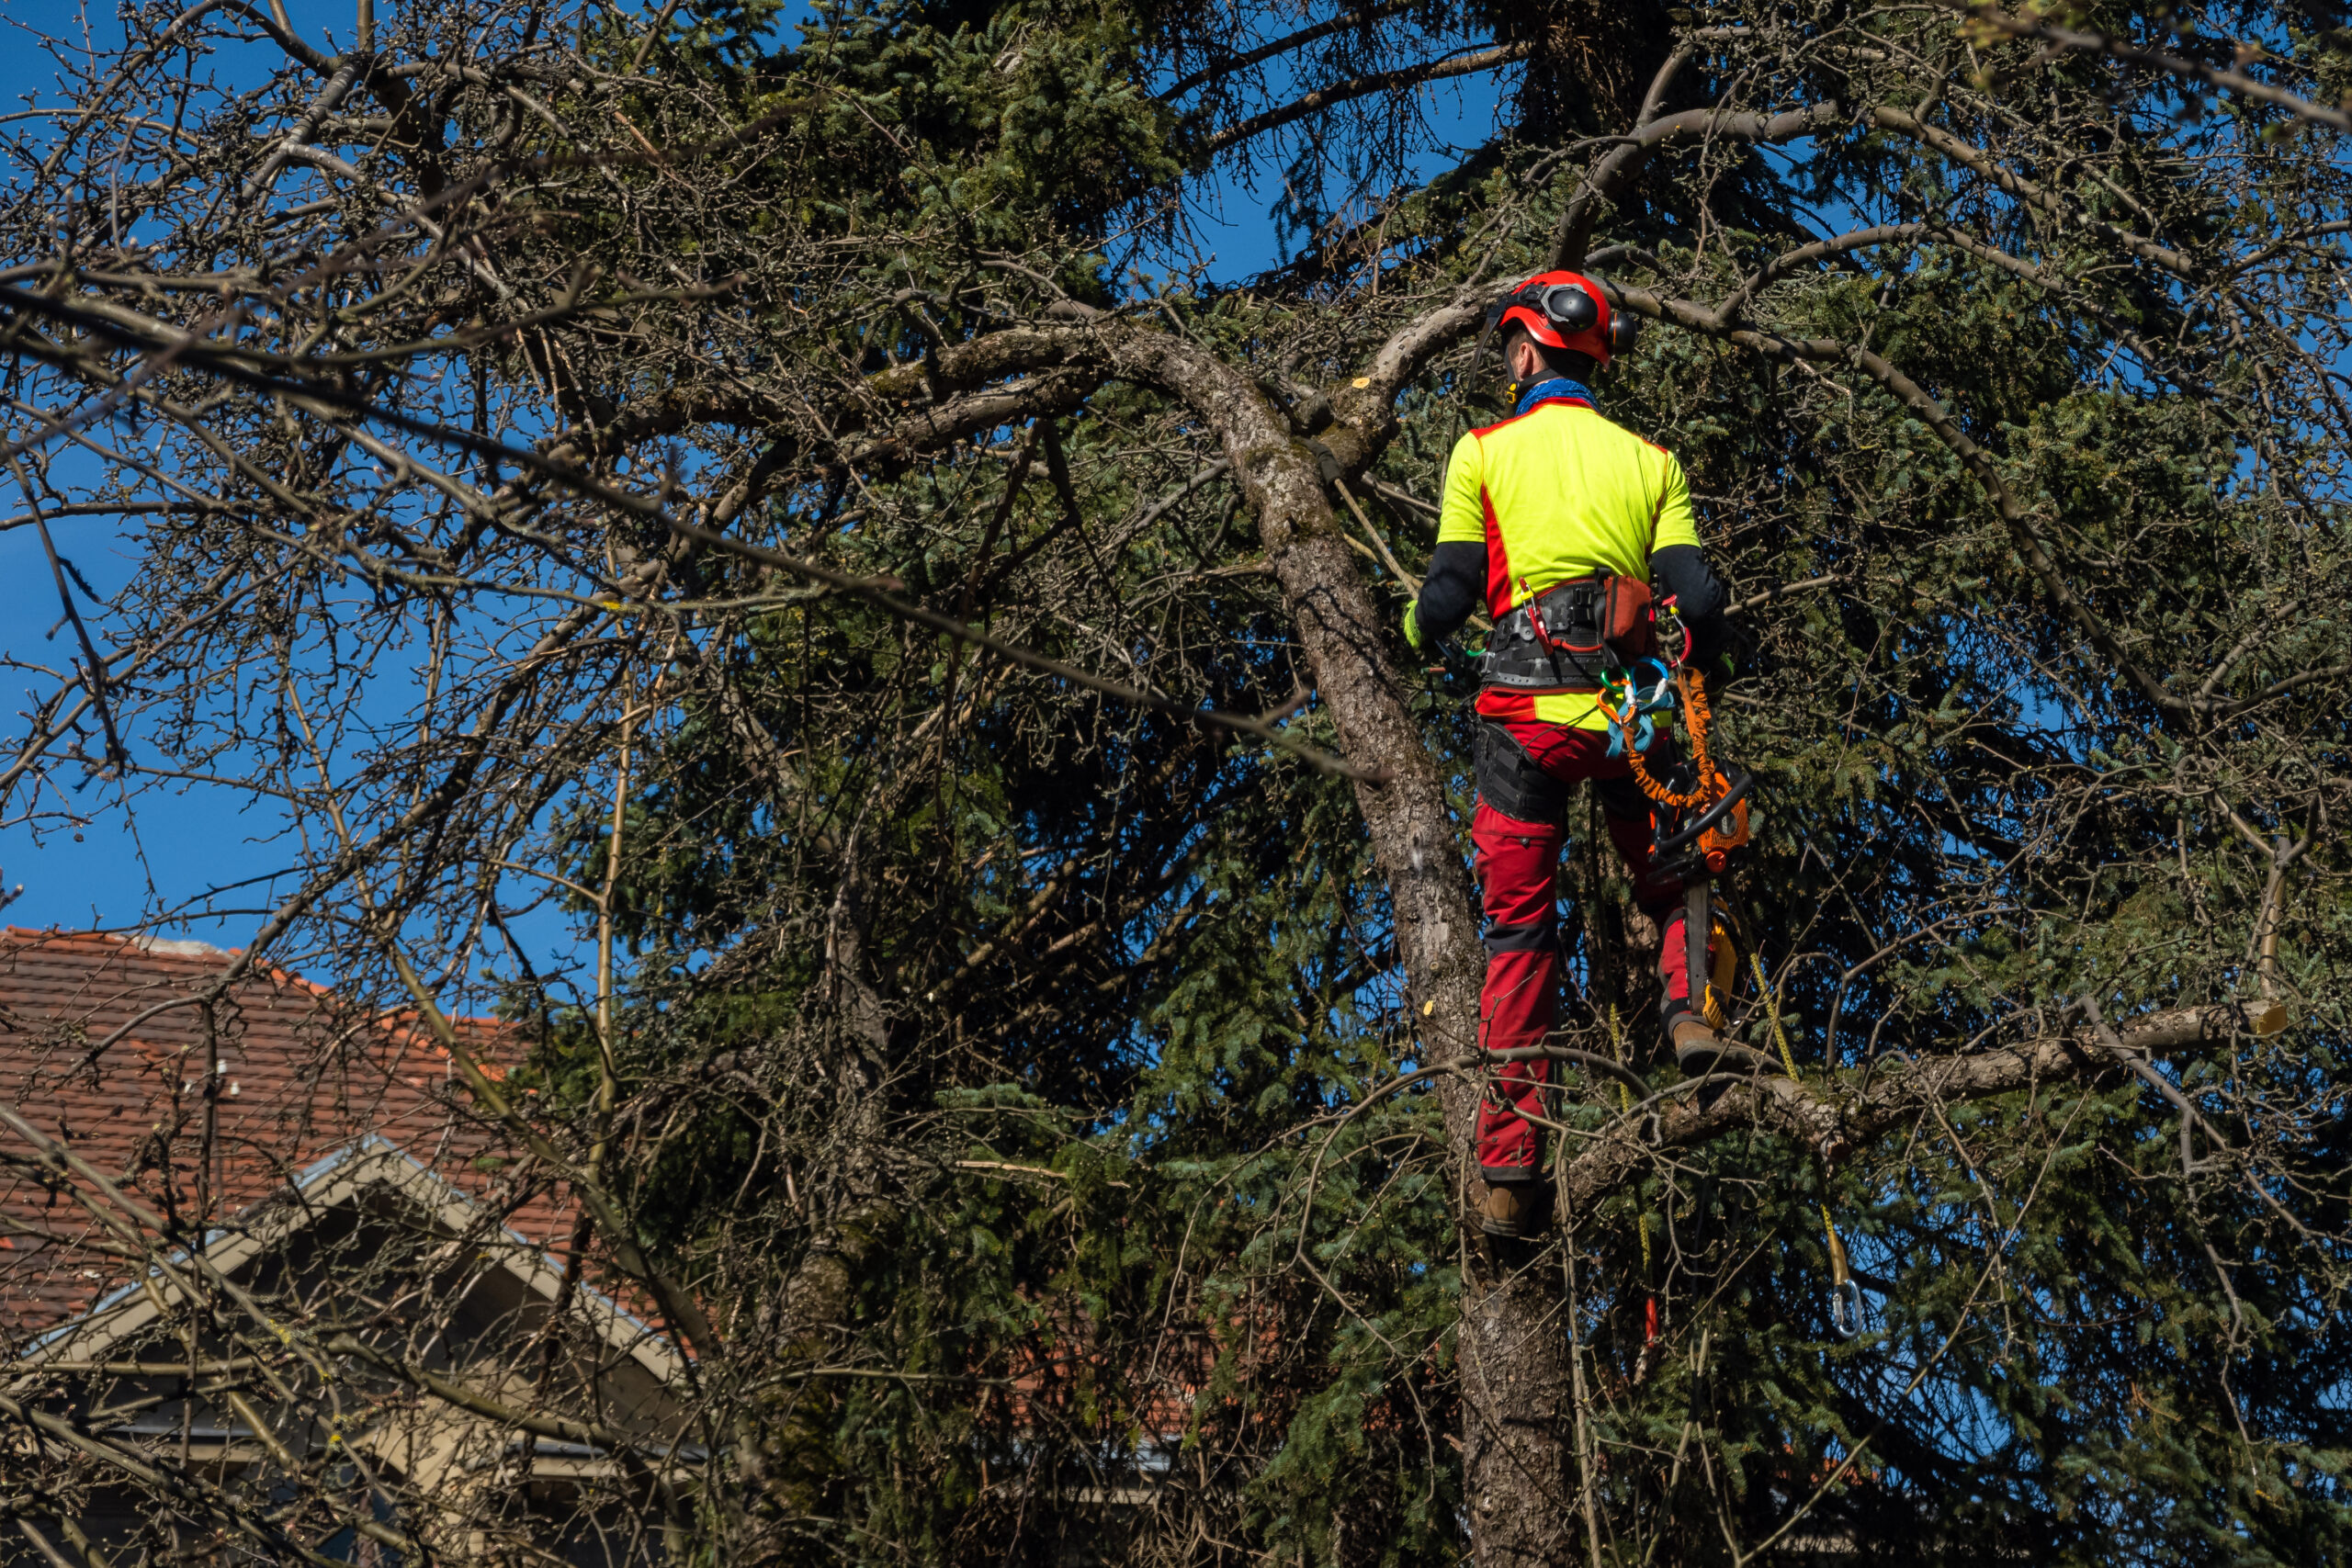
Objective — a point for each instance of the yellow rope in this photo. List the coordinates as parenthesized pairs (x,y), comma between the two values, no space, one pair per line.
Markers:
(1625,1102)
(1789,1060)
(1772,1006)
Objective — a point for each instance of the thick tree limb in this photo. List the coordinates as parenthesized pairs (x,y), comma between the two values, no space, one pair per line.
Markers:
(1825,1113)
(1788,261)
(1011,402)
(1515,1371)
(1366,408)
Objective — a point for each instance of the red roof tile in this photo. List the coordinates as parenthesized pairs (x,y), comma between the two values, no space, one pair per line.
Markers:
(300,1074)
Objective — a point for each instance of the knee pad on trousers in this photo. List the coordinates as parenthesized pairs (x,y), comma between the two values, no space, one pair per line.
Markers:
(1509,781)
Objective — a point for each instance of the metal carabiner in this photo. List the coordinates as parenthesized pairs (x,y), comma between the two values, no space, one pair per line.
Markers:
(1660,696)
(1845,1294)
(1845,1309)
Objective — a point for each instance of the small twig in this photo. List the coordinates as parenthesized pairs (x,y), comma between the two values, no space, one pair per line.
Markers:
(94,675)
(872,591)
(1047,1171)
(1412,584)
(1781,591)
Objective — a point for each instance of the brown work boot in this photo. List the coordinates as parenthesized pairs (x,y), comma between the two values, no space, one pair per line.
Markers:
(1517,1209)
(1699,1050)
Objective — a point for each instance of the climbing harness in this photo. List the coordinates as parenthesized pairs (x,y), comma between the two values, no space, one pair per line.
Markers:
(1844,1292)
(1573,637)
(1708,817)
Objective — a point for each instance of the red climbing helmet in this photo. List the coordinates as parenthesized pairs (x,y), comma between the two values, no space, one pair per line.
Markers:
(1566,310)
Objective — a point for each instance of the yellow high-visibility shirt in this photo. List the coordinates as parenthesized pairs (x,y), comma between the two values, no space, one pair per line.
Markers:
(1555,494)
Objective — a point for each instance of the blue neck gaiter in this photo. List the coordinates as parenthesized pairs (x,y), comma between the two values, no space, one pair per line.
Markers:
(1545,391)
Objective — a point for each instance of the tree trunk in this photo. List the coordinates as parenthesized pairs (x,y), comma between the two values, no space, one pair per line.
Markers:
(1513,1341)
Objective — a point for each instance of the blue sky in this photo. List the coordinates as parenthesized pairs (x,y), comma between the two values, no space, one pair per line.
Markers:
(118,867)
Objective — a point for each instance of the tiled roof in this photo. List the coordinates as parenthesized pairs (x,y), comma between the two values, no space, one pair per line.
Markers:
(300,1073)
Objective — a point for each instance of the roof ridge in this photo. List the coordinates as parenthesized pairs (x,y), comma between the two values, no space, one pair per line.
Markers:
(139,941)
(403,1018)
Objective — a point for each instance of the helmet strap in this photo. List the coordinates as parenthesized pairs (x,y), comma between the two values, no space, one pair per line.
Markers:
(1486,335)
(1477,358)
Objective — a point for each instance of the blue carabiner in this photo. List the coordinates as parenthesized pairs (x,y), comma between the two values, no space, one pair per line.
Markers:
(1660,695)
(1637,700)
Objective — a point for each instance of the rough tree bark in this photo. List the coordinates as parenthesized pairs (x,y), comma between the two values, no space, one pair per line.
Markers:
(1513,1347)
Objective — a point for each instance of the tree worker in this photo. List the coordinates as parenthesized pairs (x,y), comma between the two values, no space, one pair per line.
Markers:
(1541,512)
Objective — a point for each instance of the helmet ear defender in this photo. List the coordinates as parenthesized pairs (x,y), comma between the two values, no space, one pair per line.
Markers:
(1573,310)
(1570,308)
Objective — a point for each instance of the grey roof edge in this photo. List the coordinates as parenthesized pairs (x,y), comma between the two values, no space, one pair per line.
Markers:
(369,1161)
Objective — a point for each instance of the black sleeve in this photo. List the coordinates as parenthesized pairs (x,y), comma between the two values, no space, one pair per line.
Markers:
(1458,577)
(1699,597)
(1681,570)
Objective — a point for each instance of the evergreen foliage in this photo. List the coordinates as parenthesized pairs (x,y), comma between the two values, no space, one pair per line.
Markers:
(1024,1078)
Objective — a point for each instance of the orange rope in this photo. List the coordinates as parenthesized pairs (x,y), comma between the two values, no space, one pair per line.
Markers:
(1694,688)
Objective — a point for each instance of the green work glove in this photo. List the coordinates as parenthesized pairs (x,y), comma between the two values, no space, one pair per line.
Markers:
(1735,654)
(1413,637)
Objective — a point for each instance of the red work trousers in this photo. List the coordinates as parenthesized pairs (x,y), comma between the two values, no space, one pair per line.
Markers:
(1524,770)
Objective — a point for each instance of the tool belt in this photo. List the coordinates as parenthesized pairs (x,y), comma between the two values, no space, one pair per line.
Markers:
(1569,637)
